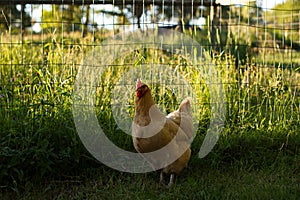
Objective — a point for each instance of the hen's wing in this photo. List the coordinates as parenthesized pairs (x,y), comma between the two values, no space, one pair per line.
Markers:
(158,133)
(183,118)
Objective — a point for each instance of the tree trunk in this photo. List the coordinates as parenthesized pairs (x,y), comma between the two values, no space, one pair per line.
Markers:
(87,21)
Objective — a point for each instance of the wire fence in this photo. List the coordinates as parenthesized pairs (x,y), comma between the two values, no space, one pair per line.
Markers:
(43,44)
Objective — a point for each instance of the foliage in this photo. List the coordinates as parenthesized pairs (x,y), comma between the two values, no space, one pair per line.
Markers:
(12,18)
(38,136)
(283,22)
(65,18)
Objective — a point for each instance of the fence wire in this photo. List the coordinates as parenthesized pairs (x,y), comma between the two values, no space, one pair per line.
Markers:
(256,48)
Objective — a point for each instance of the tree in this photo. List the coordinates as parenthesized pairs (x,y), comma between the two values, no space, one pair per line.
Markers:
(12,18)
(66,18)
(285,23)
(183,14)
(283,12)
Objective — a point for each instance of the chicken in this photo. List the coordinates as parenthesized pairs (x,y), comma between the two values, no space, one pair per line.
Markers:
(169,135)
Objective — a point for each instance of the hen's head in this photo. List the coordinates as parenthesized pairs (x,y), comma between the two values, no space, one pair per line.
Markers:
(141,88)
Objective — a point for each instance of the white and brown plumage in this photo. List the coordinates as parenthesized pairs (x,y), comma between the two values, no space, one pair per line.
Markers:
(161,130)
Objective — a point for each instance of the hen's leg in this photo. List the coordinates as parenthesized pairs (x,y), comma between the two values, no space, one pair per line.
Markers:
(172,176)
(161,179)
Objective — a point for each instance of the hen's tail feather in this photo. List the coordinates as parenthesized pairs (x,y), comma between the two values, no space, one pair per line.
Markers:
(185,105)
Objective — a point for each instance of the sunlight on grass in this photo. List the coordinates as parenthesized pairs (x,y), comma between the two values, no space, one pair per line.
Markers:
(38,135)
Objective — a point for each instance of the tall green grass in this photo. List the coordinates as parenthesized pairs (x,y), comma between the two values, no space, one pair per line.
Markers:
(38,137)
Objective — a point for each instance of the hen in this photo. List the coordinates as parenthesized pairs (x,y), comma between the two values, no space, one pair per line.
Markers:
(152,131)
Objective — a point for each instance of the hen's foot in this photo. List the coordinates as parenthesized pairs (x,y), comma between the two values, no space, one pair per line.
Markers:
(171,182)
(162,181)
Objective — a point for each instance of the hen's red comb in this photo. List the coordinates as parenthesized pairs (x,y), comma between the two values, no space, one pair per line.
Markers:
(138,83)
